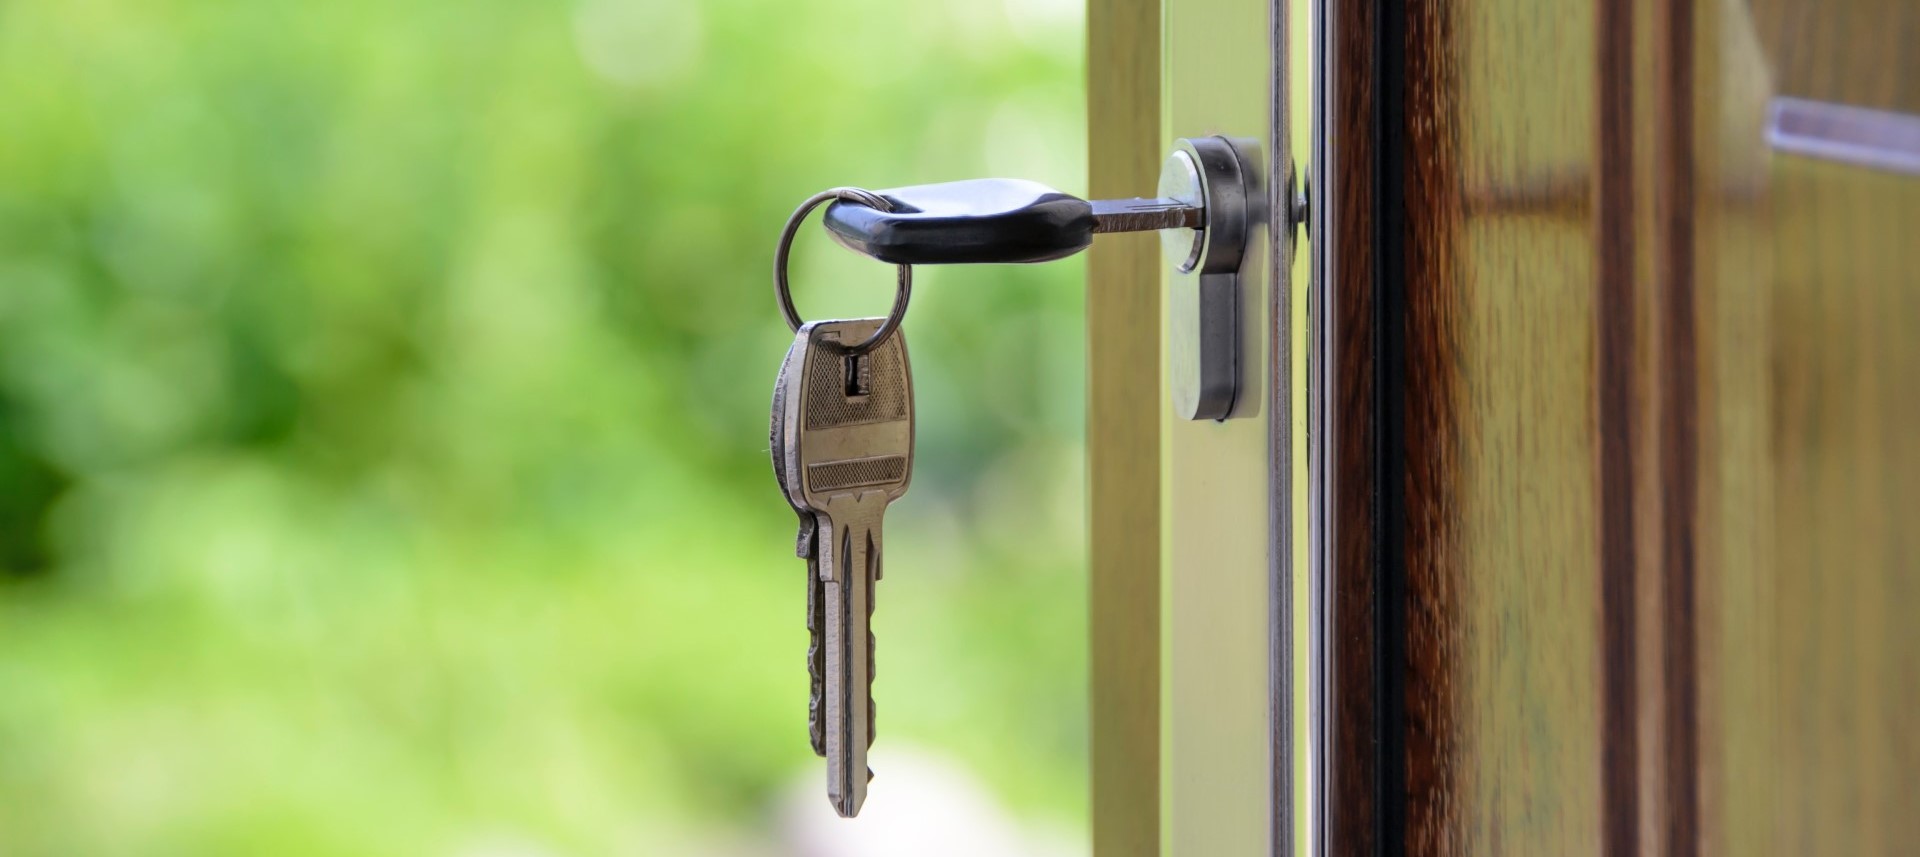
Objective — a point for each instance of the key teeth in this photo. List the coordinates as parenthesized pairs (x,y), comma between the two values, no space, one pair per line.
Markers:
(803,541)
(816,664)
(873,561)
(872,707)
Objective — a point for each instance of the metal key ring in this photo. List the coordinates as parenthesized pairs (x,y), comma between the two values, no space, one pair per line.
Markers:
(784,292)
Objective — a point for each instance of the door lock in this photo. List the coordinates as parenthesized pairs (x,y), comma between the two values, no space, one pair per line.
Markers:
(1205,208)
(1203,290)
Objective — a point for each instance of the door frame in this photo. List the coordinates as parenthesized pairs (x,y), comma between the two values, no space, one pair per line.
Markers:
(1123,434)
(1195,693)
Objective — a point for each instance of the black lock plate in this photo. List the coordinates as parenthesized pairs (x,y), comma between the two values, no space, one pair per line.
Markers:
(966,222)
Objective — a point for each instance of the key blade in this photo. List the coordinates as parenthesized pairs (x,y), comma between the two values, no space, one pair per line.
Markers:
(1144,215)
(853,551)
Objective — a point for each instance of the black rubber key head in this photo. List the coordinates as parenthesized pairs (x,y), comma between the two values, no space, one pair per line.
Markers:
(966,222)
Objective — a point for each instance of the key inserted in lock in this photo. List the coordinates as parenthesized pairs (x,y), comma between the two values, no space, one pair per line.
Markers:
(1206,203)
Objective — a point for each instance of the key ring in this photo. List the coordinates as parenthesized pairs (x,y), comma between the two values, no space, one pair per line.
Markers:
(784,292)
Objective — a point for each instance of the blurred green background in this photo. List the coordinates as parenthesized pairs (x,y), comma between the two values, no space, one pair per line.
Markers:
(383,410)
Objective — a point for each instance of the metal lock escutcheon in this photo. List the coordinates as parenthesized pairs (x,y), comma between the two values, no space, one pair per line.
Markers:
(1216,175)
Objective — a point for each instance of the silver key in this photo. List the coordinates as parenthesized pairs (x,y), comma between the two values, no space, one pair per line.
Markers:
(849,453)
(803,547)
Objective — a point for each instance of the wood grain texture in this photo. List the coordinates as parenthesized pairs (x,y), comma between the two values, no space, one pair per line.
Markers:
(1508,410)
(1735,562)
(1810,480)
(1671,778)
(1123,432)
(1618,402)
(1644,455)
(1808,454)
(1861,52)
(1846,294)
(1516,559)
(1348,304)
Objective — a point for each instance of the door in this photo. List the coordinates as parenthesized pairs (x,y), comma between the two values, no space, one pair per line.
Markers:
(1616,449)
(1572,510)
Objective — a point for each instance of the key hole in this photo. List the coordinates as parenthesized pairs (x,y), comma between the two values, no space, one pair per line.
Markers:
(859,375)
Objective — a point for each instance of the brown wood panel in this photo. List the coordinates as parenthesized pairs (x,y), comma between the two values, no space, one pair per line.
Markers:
(1670,785)
(1846,452)
(1467,239)
(1810,481)
(1630,464)
(1853,52)
(1810,462)
(1518,431)
(1123,432)
(1735,559)
(1346,236)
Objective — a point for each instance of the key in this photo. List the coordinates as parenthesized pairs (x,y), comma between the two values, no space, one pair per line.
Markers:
(804,542)
(1210,203)
(998,220)
(848,454)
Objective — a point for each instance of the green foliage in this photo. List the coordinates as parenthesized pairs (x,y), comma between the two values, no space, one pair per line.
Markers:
(383,395)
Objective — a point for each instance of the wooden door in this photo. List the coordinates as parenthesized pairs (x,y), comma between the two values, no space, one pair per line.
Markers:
(1618,427)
